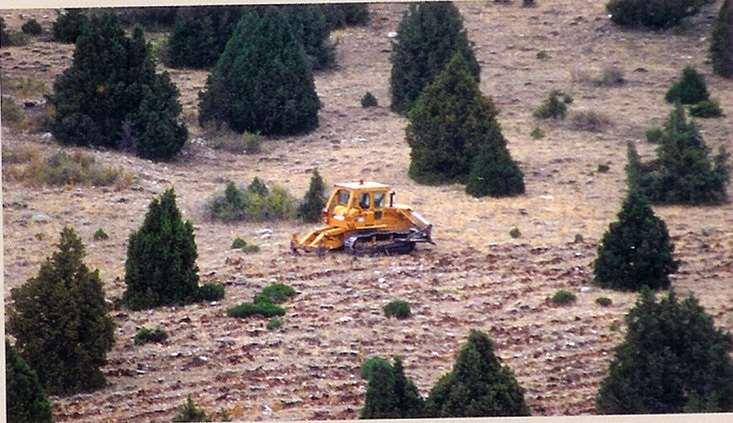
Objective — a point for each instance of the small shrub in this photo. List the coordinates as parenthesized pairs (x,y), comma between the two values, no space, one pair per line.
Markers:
(262,308)
(555,106)
(100,235)
(368,100)
(274,323)
(690,89)
(515,233)
(604,301)
(589,120)
(8,39)
(31,27)
(20,154)
(654,135)
(146,336)
(13,115)
(190,412)
(706,109)
(252,142)
(603,168)
(314,200)
(537,133)
(397,308)
(243,245)
(611,76)
(276,293)
(256,203)
(211,292)
(652,14)
(529,3)
(23,87)
(563,297)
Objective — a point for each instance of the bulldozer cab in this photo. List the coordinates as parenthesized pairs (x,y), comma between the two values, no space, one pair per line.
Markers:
(356,204)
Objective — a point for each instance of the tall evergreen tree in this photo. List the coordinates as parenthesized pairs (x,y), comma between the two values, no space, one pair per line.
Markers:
(262,82)
(159,132)
(478,386)
(69,25)
(309,25)
(636,250)
(428,36)
(390,394)
(690,89)
(314,200)
(161,258)
(721,43)
(200,35)
(105,86)
(60,321)
(453,128)
(673,360)
(26,402)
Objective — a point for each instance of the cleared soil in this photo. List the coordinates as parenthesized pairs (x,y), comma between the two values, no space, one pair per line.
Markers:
(477,276)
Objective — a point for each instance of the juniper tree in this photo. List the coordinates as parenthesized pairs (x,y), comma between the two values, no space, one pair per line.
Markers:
(161,258)
(636,250)
(690,88)
(314,200)
(672,360)
(69,25)
(453,128)
(110,88)
(262,81)
(26,402)
(478,386)
(721,43)
(200,35)
(390,394)
(60,321)
(309,25)
(651,13)
(428,36)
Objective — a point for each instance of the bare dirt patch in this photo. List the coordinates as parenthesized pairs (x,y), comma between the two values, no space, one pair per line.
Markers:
(477,276)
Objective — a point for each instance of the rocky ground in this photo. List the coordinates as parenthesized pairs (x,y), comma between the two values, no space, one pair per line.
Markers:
(477,276)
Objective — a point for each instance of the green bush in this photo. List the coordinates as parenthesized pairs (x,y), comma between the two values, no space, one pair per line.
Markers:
(249,204)
(651,13)
(690,89)
(97,105)
(190,412)
(252,142)
(245,246)
(369,100)
(262,308)
(636,250)
(654,135)
(61,169)
(555,106)
(604,301)
(69,25)
(721,43)
(370,364)
(100,235)
(161,258)
(706,109)
(146,336)
(276,293)
(515,233)
(26,402)
(262,82)
(428,37)
(477,371)
(673,360)
(60,321)
(537,133)
(398,309)
(274,323)
(8,39)
(563,297)
(390,394)
(311,208)
(31,27)
(211,292)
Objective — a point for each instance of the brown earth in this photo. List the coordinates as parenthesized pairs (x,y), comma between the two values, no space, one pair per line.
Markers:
(476,276)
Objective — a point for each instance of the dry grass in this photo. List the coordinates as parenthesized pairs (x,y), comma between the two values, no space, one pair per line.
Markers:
(23,87)
(589,120)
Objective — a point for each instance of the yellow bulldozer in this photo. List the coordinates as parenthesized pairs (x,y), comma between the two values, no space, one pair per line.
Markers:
(361,218)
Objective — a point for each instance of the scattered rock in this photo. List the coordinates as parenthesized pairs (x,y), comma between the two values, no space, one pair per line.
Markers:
(40,218)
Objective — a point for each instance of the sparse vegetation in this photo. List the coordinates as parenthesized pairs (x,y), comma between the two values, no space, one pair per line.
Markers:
(690,89)
(555,106)
(589,120)
(611,76)
(398,309)
(11,38)
(274,323)
(147,336)
(563,297)
(537,133)
(368,100)
(252,142)
(604,301)
(428,37)
(190,412)
(252,203)
(23,86)
(706,109)
(672,360)
(245,246)
(100,235)
(721,44)
(652,14)
(13,115)
(68,350)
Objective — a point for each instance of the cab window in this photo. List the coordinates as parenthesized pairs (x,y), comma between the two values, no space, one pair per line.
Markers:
(364,200)
(379,200)
(342,197)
